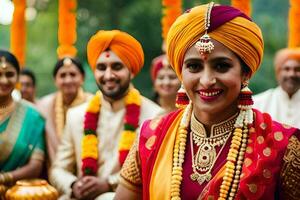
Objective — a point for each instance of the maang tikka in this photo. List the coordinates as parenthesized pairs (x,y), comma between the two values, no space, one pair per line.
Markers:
(67,62)
(3,62)
(205,45)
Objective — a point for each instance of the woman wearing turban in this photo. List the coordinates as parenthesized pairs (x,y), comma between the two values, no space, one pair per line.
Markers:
(217,147)
(165,83)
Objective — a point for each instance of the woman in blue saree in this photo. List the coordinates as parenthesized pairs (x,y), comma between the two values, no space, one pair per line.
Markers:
(22,145)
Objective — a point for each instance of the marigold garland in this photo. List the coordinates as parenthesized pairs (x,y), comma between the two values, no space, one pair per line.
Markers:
(243,5)
(294,26)
(18,31)
(171,10)
(90,141)
(60,109)
(67,28)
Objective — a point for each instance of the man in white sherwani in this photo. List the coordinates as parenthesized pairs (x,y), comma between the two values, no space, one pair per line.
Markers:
(115,57)
(283,102)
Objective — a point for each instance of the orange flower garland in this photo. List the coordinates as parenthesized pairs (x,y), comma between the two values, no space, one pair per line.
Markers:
(294,26)
(18,31)
(90,141)
(243,5)
(67,28)
(171,10)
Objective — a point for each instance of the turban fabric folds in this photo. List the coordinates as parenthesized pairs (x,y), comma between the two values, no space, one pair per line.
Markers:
(285,54)
(228,26)
(126,47)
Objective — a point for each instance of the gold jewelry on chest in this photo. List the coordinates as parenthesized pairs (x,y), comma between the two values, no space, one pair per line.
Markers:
(206,156)
(6,110)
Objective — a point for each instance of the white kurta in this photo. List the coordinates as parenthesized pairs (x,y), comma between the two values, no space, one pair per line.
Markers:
(67,166)
(277,103)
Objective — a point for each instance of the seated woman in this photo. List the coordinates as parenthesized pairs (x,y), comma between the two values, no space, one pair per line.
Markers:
(165,83)
(218,147)
(68,75)
(22,141)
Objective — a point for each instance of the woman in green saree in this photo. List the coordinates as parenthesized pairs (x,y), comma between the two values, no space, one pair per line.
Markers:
(22,145)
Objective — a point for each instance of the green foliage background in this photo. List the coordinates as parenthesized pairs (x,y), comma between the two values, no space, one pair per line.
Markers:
(141,18)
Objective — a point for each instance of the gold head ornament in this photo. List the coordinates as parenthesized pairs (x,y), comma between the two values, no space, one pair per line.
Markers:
(3,63)
(67,62)
(205,45)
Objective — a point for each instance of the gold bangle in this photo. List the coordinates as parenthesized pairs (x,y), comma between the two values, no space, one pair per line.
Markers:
(6,178)
(1,178)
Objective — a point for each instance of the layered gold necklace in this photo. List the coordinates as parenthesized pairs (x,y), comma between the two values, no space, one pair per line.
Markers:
(5,110)
(206,156)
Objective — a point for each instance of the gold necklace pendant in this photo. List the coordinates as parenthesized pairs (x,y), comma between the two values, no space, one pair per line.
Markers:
(204,160)
(206,156)
(201,177)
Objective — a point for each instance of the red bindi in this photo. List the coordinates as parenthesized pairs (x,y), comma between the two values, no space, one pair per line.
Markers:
(107,55)
(204,56)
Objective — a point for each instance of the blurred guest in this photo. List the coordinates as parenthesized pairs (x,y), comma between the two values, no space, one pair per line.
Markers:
(282,102)
(22,141)
(68,75)
(165,83)
(28,83)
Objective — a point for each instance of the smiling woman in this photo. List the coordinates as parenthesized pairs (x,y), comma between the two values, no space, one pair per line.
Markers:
(218,147)
(213,82)
(68,76)
(22,145)
(165,83)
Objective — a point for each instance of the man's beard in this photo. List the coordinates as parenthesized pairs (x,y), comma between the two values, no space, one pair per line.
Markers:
(118,94)
(292,84)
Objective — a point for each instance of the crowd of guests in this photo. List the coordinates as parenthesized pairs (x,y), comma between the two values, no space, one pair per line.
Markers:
(118,144)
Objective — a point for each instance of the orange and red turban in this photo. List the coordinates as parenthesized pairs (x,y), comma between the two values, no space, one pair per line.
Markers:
(228,26)
(126,47)
(285,54)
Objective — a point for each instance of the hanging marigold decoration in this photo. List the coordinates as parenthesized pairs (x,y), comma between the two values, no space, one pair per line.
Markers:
(243,5)
(67,28)
(294,26)
(171,10)
(18,31)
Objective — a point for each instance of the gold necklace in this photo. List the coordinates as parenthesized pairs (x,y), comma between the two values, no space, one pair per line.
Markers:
(206,156)
(205,160)
(6,110)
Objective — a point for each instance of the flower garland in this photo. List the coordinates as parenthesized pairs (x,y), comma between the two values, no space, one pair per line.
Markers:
(294,26)
(171,10)
(18,31)
(90,141)
(60,109)
(243,5)
(67,28)
(178,154)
